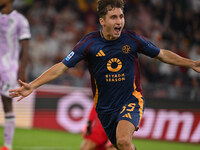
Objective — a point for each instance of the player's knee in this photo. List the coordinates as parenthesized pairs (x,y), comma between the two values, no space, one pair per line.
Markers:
(123,142)
(87,148)
(88,145)
(84,147)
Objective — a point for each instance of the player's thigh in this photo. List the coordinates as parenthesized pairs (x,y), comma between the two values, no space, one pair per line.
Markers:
(88,145)
(125,130)
(7,82)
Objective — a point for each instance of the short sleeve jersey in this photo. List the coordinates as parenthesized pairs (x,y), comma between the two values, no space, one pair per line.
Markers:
(13,28)
(113,65)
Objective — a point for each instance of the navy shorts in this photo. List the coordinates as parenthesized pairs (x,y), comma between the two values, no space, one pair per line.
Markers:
(131,111)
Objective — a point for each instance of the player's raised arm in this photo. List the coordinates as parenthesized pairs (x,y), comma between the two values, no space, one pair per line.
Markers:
(169,57)
(49,75)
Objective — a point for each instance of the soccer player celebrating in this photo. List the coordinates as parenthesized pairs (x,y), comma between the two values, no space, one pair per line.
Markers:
(14,34)
(111,54)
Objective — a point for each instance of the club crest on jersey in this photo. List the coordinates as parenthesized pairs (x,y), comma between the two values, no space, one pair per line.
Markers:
(69,56)
(126,49)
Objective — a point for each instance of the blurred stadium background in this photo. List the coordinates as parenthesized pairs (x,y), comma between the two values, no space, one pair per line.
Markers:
(61,107)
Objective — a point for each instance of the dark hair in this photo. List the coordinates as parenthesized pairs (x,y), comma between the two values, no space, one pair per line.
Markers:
(103,4)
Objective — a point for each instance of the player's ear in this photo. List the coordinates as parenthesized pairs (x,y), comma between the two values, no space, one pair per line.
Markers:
(101,20)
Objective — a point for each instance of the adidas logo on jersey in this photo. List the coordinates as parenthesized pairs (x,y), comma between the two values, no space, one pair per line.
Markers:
(128,115)
(100,54)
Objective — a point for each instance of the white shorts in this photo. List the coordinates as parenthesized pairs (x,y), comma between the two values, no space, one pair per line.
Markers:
(8,81)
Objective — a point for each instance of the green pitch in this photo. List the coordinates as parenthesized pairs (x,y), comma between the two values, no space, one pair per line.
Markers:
(36,139)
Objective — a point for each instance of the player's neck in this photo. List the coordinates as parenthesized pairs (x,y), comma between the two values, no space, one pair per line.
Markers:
(107,36)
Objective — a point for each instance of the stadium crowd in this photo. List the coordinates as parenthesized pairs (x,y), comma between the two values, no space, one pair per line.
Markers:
(56,27)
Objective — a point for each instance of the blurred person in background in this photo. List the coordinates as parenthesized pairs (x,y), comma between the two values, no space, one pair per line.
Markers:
(14,35)
(94,136)
(112,56)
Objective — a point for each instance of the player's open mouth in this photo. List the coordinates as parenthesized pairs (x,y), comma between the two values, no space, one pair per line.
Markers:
(117,29)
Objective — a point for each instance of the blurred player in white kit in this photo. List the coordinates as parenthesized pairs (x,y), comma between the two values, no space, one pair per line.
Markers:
(14,39)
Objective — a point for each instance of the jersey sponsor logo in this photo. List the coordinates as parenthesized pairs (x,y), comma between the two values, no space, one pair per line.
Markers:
(115,77)
(126,49)
(100,54)
(114,65)
(69,56)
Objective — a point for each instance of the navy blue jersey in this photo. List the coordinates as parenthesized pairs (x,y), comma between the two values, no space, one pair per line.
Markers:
(113,66)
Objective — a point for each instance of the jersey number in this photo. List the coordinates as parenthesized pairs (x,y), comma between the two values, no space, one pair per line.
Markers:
(130,106)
